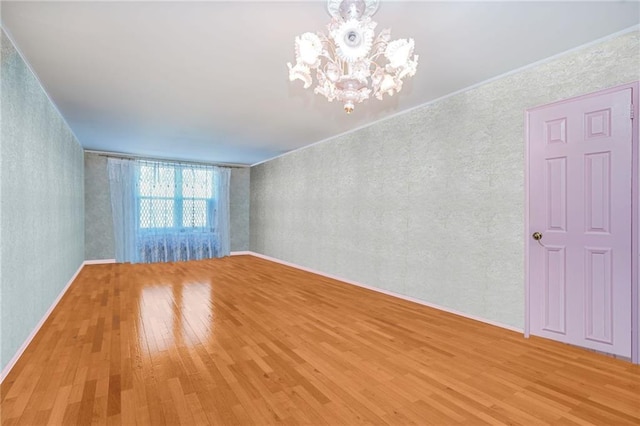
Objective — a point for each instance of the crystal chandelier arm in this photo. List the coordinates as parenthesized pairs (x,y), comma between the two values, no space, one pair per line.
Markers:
(376,80)
(335,62)
(376,67)
(383,37)
(325,67)
(329,51)
(375,56)
(327,44)
(378,49)
(331,59)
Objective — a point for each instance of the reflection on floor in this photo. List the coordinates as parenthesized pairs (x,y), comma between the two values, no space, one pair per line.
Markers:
(244,340)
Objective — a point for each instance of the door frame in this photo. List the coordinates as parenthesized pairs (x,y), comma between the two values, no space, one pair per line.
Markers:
(635,212)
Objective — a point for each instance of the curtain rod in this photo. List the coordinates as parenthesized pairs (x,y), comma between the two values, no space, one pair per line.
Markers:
(174,160)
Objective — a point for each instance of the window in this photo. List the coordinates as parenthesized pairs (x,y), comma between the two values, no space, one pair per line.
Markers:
(174,197)
(168,212)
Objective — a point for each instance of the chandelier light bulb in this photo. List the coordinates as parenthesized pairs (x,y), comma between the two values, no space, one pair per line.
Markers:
(350,62)
(348,107)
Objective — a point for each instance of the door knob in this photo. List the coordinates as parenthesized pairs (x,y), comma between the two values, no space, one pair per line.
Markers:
(537,236)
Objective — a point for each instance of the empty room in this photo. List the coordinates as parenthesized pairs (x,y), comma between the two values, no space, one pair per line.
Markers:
(320,212)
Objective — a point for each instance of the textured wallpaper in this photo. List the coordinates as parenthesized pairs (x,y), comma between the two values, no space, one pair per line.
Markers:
(99,238)
(239,187)
(98,222)
(428,204)
(42,203)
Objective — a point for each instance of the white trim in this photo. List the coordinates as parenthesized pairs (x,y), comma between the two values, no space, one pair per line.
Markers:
(457,92)
(98,261)
(388,293)
(241,253)
(36,329)
(527,325)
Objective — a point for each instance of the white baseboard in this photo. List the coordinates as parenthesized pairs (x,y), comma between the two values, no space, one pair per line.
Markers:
(241,253)
(388,293)
(20,351)
(99,261)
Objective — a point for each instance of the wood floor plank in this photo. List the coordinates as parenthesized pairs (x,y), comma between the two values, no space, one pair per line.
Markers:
(241,340)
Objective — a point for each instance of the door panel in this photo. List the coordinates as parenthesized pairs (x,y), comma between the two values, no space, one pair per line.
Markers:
(556,188)
(599,309)
(580,168)
(598,192)
(555,289)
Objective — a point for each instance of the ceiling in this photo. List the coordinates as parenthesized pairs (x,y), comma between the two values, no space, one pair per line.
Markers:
(208,81)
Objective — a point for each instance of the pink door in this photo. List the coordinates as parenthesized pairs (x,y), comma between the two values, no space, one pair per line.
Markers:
(580,183)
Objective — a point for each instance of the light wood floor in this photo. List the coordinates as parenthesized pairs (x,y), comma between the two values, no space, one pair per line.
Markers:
(244,340)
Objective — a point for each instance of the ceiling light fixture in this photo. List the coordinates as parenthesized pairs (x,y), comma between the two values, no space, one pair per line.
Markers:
(349,59)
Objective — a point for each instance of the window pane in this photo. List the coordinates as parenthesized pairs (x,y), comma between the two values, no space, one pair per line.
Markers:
(194,213)
(156,181)
(197,183)
(156,213)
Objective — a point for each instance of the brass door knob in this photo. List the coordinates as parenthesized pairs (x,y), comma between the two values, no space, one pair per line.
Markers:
(537,236)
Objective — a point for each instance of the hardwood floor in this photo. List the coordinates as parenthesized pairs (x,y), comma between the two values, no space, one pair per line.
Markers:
(241,340)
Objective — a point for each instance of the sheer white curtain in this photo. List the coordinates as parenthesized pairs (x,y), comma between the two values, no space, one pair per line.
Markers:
(167,212)
(122,184)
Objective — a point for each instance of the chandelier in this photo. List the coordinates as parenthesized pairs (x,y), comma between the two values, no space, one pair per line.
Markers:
(352,63)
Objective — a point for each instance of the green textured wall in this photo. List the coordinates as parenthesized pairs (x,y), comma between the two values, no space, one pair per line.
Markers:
(99,239)
(239,188)
(42,202)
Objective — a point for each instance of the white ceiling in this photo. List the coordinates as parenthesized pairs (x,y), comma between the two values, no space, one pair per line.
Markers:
(208,81)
